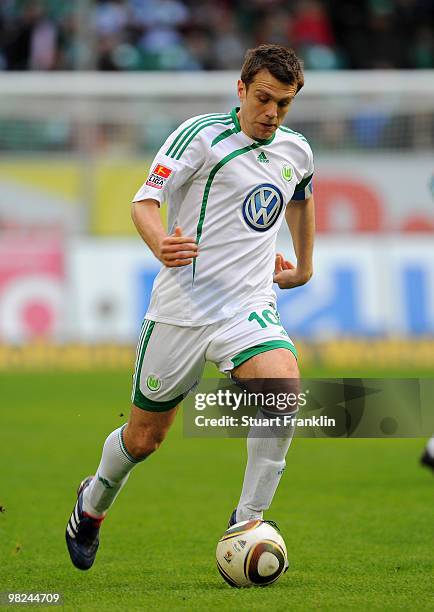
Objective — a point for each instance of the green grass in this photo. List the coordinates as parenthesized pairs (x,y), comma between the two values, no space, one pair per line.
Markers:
(356,514)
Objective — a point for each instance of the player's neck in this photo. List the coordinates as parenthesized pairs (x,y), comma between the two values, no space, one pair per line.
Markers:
(243,126)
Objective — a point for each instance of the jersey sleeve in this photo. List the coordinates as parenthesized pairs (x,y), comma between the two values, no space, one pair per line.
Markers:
(304,189)
(167,173)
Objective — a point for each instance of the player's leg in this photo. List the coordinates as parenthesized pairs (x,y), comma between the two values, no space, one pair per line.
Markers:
(123,449)
(165,370)
(155,400)
(266,450)
(254,345)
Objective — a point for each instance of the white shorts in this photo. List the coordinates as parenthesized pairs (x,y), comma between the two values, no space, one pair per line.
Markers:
(170,359)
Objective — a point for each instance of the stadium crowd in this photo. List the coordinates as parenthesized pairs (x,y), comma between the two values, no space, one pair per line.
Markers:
(211,35)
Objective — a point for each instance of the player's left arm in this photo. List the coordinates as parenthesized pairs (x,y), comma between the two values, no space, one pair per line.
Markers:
(300,217)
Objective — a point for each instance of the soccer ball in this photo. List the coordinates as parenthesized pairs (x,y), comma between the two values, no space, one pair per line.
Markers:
(251,553)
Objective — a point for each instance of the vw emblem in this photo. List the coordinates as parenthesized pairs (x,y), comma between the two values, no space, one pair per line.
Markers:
(262,207)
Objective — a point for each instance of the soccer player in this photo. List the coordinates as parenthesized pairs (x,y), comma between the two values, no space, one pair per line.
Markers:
(229,180)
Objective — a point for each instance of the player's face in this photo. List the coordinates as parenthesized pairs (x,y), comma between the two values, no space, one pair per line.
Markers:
(264,104)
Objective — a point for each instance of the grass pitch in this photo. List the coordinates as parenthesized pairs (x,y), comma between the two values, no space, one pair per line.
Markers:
(356,515)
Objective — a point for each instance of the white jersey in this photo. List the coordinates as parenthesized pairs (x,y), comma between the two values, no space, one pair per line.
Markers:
(230,193)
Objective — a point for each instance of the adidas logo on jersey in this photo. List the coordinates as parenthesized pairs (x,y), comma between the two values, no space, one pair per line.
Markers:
(263,158)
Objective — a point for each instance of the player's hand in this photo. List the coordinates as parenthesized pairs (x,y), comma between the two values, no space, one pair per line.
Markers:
(286,275)
(177,250)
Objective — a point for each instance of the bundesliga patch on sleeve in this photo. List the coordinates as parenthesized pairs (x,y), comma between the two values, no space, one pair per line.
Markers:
(159,176)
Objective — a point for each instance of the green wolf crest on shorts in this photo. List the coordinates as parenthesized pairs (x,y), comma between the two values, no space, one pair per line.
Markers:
(153,383)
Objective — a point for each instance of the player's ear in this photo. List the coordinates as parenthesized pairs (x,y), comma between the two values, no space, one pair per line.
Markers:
(241,89)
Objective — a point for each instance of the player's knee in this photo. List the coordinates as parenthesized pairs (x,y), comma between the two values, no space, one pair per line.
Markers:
(145,441)
(142,448)
(274,396)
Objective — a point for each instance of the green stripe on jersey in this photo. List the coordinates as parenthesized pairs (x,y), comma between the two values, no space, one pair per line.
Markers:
(208,185)
(185,132)
(264,141)
(224,135)
(288,131)
(235,118)
(302,184)
(191,135)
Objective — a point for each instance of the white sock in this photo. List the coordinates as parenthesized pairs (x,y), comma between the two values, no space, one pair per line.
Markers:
(113,472)
(265,465)
(430,447)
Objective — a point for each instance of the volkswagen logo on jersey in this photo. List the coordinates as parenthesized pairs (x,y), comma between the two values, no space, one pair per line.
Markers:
(262,207)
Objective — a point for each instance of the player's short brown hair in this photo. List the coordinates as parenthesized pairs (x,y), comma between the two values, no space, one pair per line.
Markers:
(281,62)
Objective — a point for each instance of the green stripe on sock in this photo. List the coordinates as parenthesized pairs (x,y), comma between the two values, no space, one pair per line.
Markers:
(124,448)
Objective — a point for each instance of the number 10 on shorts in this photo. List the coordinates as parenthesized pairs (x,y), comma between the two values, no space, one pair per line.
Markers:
(268,316)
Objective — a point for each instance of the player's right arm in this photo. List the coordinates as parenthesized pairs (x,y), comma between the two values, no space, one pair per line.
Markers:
(173,250)
(174,165)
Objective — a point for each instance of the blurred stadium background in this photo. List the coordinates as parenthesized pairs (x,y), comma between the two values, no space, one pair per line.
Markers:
(90,89)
